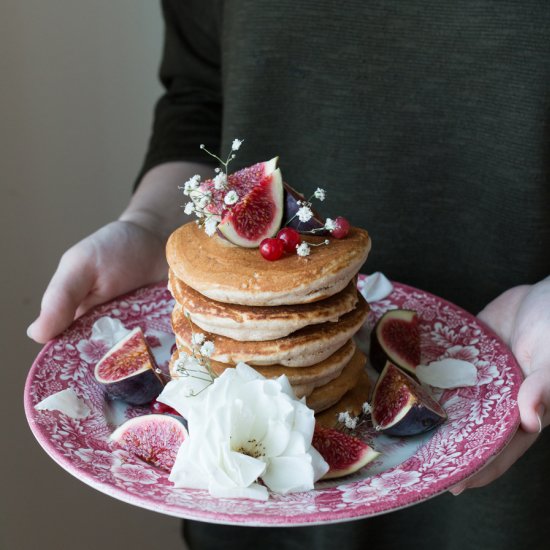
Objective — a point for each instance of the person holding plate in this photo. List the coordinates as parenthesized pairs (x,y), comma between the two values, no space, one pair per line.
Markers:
(427,124)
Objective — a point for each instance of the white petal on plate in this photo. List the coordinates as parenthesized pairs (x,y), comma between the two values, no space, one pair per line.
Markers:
(109,331)
(254,491)
(447,373)
(66,402)
(376,287)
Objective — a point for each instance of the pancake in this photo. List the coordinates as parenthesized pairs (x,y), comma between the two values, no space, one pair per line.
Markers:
(352,402)
(302,348)
(232,274)
(305,379)
(246,323)
(326,396)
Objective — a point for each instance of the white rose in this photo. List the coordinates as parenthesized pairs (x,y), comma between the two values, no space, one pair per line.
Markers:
(242,428)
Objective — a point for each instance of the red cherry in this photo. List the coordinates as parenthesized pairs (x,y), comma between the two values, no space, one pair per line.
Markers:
(290,237)
(272,249)
(341,228)
(157,407)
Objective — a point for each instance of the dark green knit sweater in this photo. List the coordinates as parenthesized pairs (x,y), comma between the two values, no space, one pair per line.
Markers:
(427,122)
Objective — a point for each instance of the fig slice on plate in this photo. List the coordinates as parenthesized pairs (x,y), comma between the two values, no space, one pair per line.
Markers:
(128,370)
(154,438)
(396,338)
(343,453)
(401,406)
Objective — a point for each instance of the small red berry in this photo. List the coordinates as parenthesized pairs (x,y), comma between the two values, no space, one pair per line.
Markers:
(290,237)
(272,249)
(341,228)
(157,407)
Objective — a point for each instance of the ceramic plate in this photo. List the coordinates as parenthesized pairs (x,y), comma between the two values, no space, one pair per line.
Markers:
(482,419)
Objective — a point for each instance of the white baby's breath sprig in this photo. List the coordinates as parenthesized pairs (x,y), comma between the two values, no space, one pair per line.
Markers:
(304,213)
(320,194)
(350,422)
(330,224)
(303,250)
(236,145)
(231,198)
(201,196)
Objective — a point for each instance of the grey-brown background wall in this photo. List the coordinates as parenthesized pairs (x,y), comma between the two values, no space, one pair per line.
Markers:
(78,82)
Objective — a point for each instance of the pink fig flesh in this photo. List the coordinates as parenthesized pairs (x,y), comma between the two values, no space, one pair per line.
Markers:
(128,370)
(401,406)
(154,438)
(343,453)
(396,338)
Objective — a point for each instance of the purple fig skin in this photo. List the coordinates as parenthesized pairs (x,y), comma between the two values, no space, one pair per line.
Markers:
(418,420)
(291,207)
(127,370)
(138,389)
(419,412)
(378,355)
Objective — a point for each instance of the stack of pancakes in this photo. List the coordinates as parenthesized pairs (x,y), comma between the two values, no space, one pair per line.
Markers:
(295,316)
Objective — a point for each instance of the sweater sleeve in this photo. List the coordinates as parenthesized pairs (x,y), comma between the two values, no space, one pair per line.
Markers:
(189,112)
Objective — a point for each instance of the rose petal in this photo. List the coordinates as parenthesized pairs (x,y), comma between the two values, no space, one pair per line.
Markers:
(65,401)
(109,331)
(376,287)
(447,373)
(287,474)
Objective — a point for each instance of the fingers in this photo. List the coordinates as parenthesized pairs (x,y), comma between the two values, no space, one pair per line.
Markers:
(68,288)
(533,404)
(534,401)
(512,452)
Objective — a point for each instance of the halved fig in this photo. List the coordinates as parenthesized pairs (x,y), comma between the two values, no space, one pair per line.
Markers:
(128,370)
(155,438)
(292,202)
(401,406)
(396,338)
(343,453)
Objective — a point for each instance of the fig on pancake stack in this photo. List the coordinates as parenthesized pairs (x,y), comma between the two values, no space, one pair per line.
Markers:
(294,315)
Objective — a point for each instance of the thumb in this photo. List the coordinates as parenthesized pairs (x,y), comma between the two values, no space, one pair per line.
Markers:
(534,400)
(68,288)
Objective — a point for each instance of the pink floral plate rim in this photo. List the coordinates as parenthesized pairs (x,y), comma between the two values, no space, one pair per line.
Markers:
(482,420)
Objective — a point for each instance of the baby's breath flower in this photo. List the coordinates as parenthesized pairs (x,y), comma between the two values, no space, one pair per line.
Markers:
(207,349)
(203,200)
(320,194)
(351,422)
(210,226)
(303,249)
(329,224)
(343,416)
(304,213)
(217,170)
(191,184)
(366,407)
(189,208)
(235,146)
(198,338)
(231,198)
(220,181)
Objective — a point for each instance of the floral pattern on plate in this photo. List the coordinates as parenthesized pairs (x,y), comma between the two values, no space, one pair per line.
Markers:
(482,419)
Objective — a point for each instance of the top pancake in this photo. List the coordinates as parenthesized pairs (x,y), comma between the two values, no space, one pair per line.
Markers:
(233,274)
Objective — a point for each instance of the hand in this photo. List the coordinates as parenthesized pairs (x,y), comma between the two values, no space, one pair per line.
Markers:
(115,259)
(521,317)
